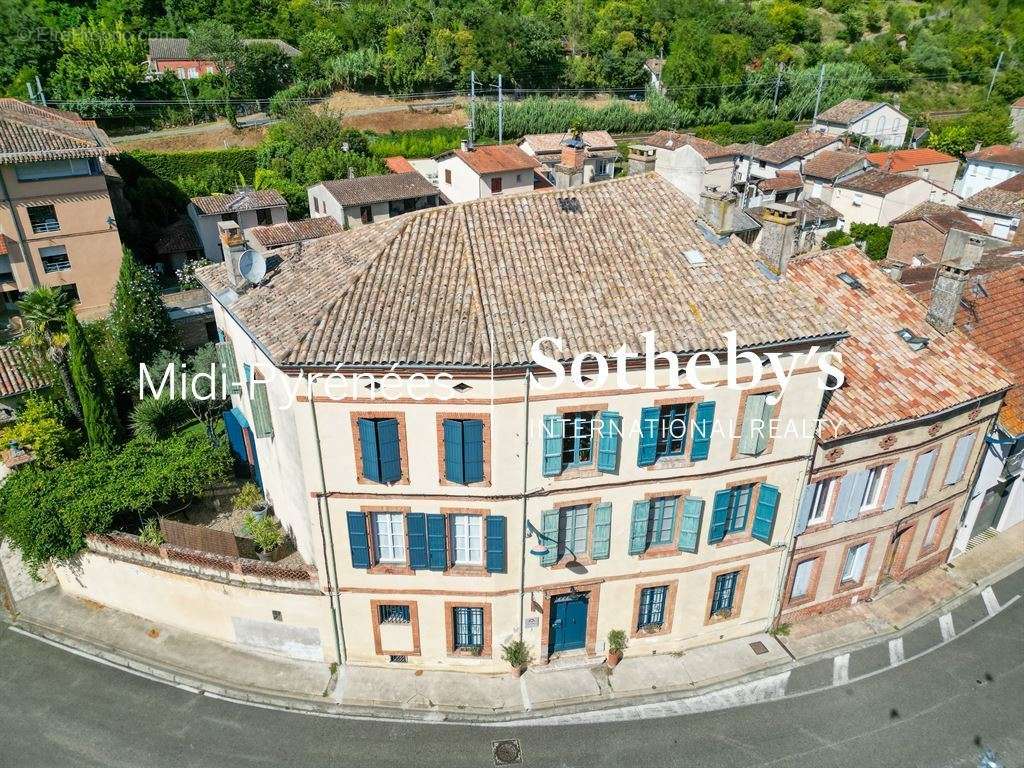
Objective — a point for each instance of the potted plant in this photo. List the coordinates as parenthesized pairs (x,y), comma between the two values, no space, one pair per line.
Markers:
(616,644)
(266,534)
(517,654)
(251,498)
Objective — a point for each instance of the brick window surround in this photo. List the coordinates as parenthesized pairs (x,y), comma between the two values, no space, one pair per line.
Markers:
(845,586)
(439,437)
(818,560)
(738,424)
(414,621)
(449,630)
(683,461)
(738,537)
(387,568)
(589,470)
(926,548)
(593,590)
(670,609)
(672,547)
(403,443)
(737,600)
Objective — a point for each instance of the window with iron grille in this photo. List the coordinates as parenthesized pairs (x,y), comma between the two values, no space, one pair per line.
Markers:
(393,614)
(469,628)
(55,259)
(43,218)
(652,608)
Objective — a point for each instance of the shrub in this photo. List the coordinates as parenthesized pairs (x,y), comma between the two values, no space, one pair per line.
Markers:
(170,166)
(151,533)
(156,418)
(876,239)
(836,239)
(42,428)
(516,653)
(248,496)
(616,641)
(265,531)
(427,142)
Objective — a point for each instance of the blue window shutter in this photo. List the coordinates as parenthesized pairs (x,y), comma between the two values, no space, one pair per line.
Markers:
(920,476)
(602,531)
(390,458)
(608,448)
(689,531)
(804,513)
(638,527)
(416,529)
(437,543)
(845,495)
(368,447)
(958,464)
(554,429)
(473,450)
(647,454)
(764,515)
(703,425)
(858,482)
(358,543)
(719,516)
(895,483)
(496,544)
(453,466)
(549,530)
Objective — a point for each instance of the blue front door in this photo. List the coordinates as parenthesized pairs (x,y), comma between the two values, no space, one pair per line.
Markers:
(568,622)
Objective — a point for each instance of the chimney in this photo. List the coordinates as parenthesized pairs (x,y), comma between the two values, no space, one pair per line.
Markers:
(961,255)
(894,269)
(569,170)
(778,236)
(464,145)
(718,209)
(641,159)
(351,172)
(232,245)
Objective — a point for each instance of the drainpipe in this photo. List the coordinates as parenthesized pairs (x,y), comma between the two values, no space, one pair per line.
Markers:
(22,240)
(787,559)
(327,539)
(526,469)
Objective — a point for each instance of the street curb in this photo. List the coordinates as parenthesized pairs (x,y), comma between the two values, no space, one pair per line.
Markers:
(276,700)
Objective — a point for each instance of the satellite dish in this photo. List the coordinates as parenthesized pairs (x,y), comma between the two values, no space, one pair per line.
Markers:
(252,266)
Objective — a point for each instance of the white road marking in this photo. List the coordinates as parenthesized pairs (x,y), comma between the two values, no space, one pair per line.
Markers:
(841,669)
(896,652)
(946,627)
(527,704)
(991,602)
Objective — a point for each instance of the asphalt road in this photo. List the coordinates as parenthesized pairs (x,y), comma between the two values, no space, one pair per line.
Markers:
(57,709)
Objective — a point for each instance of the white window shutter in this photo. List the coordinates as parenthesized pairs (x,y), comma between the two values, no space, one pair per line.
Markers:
(922,471)
(958,464)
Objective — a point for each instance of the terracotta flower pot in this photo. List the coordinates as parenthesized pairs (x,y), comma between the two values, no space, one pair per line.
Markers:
(614,657)
(518,671)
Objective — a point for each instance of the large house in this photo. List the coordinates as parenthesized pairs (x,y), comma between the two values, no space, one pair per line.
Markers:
(877,121)
(786,155)
(246,207)
(930,164)
(172,54)
(690,163)
(640,515)
(364,200)
(825,169)
(600,153)
(878,197)
(57,226)
(472,172)
(999,209)
(989,166)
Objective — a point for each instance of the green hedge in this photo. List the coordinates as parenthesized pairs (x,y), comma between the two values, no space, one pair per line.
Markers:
(426,142)
(169,166)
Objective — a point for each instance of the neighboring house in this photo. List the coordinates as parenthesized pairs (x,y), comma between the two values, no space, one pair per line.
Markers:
(247,207)
(1017,119)
(919,137)
(690,163)
(600,153)
(878,197)
(18,377)
(177,244)
(788,154)
(57,226)
(422,500)
(999,209)
(364,200)
(919,235)
(171,54)
(932,165)
(826,168)
(472,173)
(814,220)
(990,166)
(783,188)
(266,239)
(192,315)
(900,441)
(880,122)
(653,67)
(399,164)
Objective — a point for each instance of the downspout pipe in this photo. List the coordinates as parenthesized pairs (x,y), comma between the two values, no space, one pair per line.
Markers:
(526,471)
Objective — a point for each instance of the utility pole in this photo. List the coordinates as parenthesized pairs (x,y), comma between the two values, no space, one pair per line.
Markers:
(817,100)
(38,95)
(778,82)
(501,114)
(991,85)
(188,100)
(472,108)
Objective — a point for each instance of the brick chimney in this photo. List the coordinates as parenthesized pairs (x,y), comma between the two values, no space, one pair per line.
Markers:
(961,255)
(718,209)
(569,170)
(778,236)
(641,159)
(232,245)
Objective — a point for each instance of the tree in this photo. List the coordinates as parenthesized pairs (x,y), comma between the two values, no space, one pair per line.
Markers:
(44,312)
(876,239)
(689,68)
(42,428)
(138,317)
(101,62)
(262,71)
(98,414)
(216,41)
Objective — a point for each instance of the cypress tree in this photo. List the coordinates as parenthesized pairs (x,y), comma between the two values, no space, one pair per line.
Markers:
(98,414)
(138,317)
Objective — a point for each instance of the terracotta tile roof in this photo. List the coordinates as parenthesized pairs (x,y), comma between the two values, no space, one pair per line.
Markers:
(1019,103)
(919,280)
(398,164)
(833,163)
(243,200)
(291,232)
(671,140)
(17,374)
(494,158)
(177,47)
(848,110)
(1006,198)
(545,143)
(901,160)
(876,182)
(30,133)
(999,153)
(378,189)
(942,217)
(476,283)
(178,237)
(886,381)
(784,181)
(799,144)
(655,65)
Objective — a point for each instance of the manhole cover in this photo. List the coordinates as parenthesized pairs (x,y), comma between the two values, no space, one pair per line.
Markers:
(759,648)
(507,752)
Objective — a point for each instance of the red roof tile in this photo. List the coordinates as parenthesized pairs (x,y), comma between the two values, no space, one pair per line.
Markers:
(398,164)
(17,374)
(903,160)
(999,153)
(496,158)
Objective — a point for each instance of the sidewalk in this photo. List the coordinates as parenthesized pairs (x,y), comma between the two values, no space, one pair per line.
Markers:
(716,673)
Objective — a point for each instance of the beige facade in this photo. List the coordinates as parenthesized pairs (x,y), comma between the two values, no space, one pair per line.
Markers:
(60,231)
(859,207)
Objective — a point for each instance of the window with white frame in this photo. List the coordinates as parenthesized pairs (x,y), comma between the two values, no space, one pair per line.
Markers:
(824,492)
(933,531)
(389,536)
(873,490)
(802,579)
(467,539)
(853,568)
(573,526)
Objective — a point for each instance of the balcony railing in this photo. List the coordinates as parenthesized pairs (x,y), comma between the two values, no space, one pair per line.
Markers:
(45,225)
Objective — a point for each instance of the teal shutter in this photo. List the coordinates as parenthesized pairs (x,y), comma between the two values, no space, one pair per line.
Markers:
(437,543)
(387,444)
(804,513)
(764,515)
(602,531)
(689,531)
(453,466)
(549,531)
(229,364)
(608,448)
(554,429)
(473,451)
(262,424)
(895,485)
(416,528)
(496,548)
(703,426)
(358,542)
(647,454)
(638,527)
(719,516)
(368,447)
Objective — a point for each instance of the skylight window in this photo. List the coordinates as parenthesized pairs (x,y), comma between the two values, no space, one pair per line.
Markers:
(695,258)
(851,281)
(915,342)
